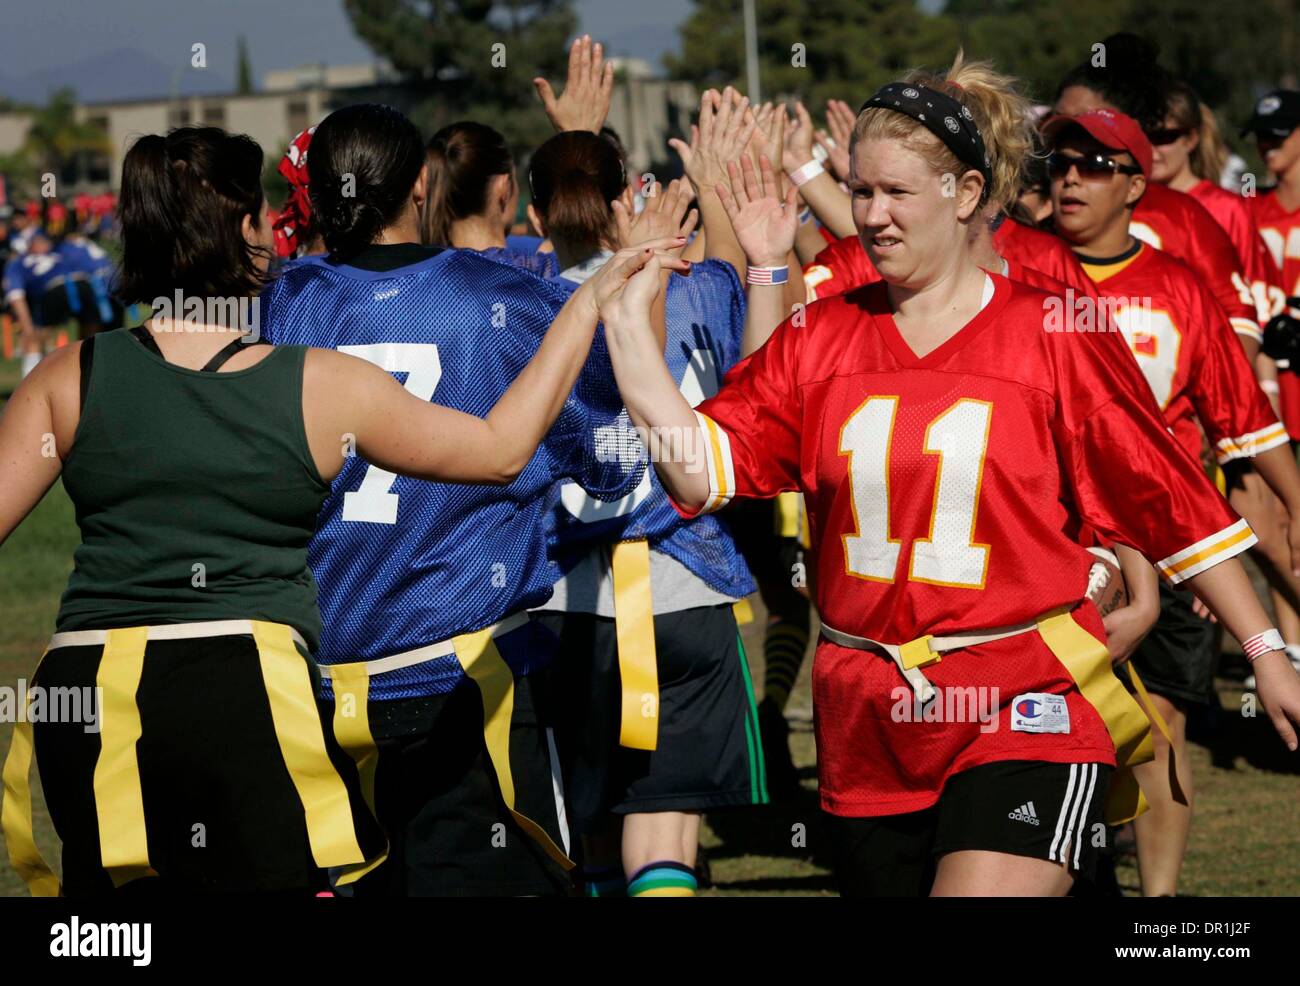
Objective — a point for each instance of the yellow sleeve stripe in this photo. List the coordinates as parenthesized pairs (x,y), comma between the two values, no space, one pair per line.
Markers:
(1245,327)
(717,453)
(1208,552)
(1246,446)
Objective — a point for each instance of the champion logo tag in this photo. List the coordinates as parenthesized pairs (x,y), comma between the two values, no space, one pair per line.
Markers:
(1025,813)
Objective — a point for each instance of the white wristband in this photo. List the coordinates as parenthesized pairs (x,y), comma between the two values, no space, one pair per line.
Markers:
(1269,387)
(802,176)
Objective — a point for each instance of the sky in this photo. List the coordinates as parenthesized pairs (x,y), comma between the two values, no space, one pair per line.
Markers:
(128,49)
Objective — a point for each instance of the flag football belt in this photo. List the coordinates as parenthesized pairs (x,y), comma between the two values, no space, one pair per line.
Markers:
(1083,656)
(119,803)
(483,664)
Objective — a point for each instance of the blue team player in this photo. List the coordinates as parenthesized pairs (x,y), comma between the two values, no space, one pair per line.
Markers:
(425,587)
(40,294)
(657,722)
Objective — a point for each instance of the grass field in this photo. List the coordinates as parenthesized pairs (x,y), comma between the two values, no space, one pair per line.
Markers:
(1245,840)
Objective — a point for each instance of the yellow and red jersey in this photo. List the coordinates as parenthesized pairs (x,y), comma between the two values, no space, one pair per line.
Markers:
(945,494)
(1233,213)
(1280,230)
(1180,226)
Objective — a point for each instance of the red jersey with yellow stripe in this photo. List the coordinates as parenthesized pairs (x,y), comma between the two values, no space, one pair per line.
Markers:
(1179,225)
(1280,230)
(1189,355)
(945,493)
(1233,213)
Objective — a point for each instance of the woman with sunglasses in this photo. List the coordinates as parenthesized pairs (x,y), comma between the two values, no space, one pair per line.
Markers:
(945,485)
(1203,383)
(1131,82)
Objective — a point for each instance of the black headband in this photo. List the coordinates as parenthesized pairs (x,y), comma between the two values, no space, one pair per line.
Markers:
(943,116)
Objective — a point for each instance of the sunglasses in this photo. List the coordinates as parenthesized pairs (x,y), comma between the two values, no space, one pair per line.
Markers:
(1167,135)
(1096,165)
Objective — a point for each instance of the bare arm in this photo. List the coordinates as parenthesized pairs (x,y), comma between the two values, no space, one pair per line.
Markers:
(1126,626)
(829,203)
(1277,467)
(1226,589)
(33,439)
(402,433)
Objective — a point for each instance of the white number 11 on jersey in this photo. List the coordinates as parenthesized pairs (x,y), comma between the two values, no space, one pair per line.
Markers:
(949,555)
(372,503)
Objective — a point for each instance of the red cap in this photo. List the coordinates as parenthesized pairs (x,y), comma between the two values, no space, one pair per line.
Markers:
(1111,129)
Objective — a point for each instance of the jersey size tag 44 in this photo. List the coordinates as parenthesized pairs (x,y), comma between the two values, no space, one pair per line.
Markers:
(1040,712)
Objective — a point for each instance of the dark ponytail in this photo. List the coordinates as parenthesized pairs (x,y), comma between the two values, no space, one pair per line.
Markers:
(463,159)
(183,202)
(574,177)
(1130,79)
(364,161)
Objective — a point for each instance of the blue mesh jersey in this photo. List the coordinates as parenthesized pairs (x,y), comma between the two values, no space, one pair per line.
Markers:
(705,314)
(403,563)
(87,258)
(541,264)
(31,275)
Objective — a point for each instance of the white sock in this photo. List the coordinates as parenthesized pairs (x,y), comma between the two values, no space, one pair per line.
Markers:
(29,362)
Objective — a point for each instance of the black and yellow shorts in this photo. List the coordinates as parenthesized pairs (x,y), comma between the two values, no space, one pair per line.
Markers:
(1177,658)
(708,753)
(208,766)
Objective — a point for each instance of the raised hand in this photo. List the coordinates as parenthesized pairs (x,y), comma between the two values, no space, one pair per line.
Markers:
(667,212)
(764,222)
(584,104)
(723,133)
(837,136)
(798,149)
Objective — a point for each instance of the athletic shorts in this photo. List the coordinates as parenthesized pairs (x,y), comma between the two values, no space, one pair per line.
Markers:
(438,798)
(56,306)
(770,557)
(708,753)
(1050,811)
(234,756)
(1177,658)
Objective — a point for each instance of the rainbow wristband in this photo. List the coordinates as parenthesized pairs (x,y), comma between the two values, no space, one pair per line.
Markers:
(802,176)
(767,275)
(1263,643)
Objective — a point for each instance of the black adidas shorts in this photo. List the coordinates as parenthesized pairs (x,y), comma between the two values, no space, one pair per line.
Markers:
(221,811)
(1023,807)
(1177,658)
(708,753)
(437,797)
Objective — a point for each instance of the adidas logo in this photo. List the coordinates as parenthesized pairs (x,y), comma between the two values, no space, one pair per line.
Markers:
(1025,813)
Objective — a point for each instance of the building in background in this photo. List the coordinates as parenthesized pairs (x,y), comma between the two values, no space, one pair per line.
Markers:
(645,111)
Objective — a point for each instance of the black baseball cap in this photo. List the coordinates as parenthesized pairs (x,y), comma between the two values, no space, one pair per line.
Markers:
(1276,114)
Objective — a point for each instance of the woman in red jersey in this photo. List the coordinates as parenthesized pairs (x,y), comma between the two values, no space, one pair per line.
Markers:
(949,448)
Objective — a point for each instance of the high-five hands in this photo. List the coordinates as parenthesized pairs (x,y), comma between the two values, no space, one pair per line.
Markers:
(584,104)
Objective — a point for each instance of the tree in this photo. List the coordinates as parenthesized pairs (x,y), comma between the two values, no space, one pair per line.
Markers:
(56,138)
(472,59)
(243,70)
(846,48)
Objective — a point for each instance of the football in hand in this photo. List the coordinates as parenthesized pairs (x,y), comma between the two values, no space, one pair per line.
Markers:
(1106,586)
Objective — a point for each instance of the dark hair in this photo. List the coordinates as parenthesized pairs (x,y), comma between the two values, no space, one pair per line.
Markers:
(182,206)
(463,159)
(363,163)
(574,177)
(1130,79)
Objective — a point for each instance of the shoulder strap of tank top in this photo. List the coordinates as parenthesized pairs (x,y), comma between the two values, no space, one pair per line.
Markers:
(227,351)
(211,366)
(87,361)
(146,339)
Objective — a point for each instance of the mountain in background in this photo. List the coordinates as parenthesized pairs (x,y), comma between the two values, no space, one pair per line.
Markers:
(126,73)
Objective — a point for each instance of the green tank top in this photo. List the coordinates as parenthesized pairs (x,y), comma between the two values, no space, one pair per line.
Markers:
(196,494)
